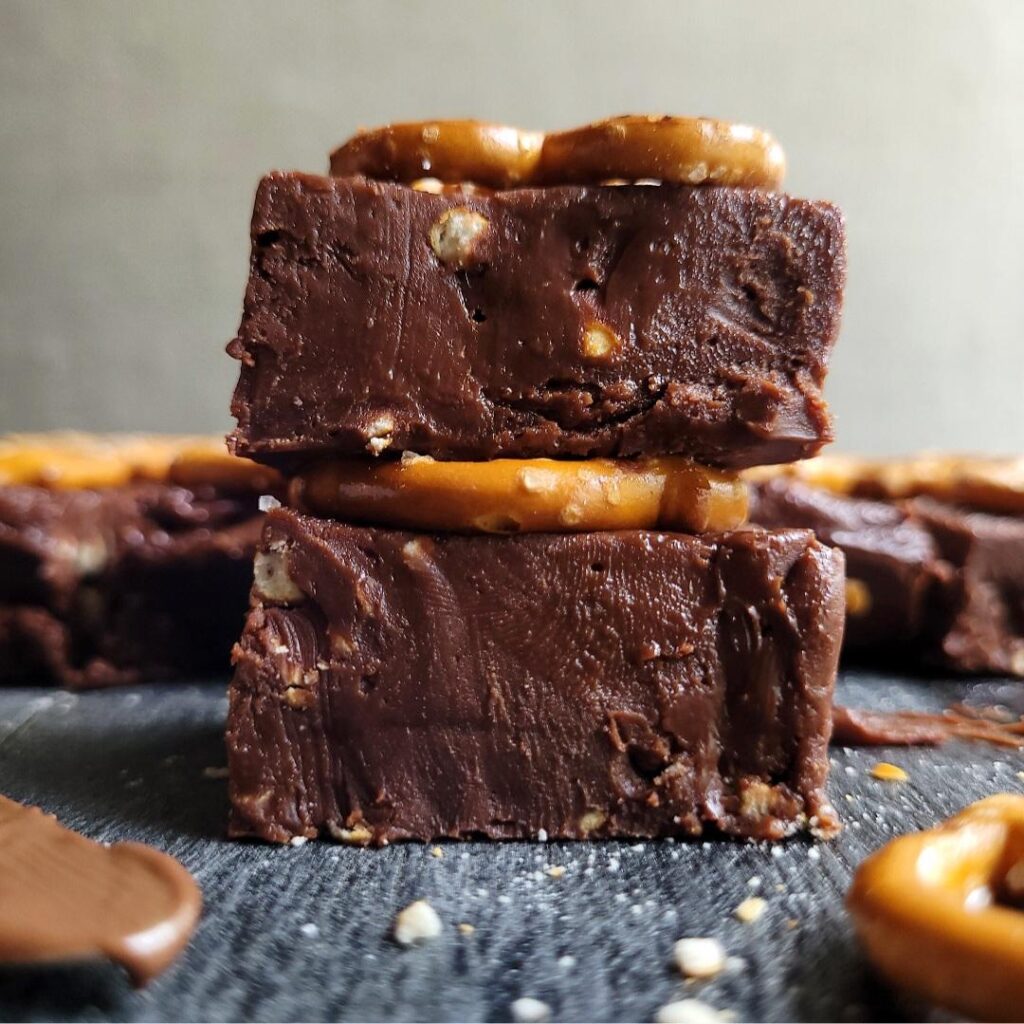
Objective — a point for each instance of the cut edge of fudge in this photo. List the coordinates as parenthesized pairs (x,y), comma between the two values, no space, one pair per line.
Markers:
(580,321)
(929,582)
(397,686)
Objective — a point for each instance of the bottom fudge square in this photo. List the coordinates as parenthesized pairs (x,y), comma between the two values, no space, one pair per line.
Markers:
(393,685)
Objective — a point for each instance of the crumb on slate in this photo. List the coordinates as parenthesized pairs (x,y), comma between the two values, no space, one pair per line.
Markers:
(466,928)
(530,1011)
(699,957)
(436,851)
(556,870)
(688,1011)
(750,909)
(417,923)
(889,772)
(298,840)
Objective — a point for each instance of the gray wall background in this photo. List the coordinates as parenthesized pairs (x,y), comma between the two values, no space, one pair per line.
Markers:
(132,136)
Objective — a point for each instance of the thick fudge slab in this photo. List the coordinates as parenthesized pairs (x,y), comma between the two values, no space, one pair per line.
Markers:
(567,321)
(392,685)
(122,584)
(930,582)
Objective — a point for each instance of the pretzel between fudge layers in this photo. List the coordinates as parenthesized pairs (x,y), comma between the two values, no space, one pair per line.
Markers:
(69,460)
(989,484)
(682,150)
(525,495)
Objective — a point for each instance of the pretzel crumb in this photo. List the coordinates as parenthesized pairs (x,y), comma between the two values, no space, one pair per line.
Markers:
(688,1011)
(436,851)
(751,909)
(887,772)
(417,923)
(530,1011)
(699,958)
(556,870)
(465,928)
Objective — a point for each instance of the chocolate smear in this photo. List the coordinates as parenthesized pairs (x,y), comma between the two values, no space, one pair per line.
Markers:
(64,897)
(857,727)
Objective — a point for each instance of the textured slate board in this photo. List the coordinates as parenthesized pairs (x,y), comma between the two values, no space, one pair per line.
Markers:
(594,944)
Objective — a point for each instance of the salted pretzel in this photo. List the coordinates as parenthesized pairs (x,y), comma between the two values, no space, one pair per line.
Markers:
(525,495)
(206,461)
(493,155)
(687,150)
(68,460)
(684,150)
(941,912)
(991,484)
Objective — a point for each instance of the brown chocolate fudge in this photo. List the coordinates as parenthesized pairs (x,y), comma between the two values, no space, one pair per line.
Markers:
(124,584)
(930,582)
(123,557)
(393,685)
(569,321)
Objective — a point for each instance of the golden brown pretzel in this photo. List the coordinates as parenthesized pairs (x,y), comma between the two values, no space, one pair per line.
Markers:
(526,495)
(494,155)
(66,460)
(937,911)
(990,483)
(685,150)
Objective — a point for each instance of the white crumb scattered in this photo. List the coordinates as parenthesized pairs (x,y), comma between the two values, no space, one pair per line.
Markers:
(504,900)
(267,502)
(436,851)
(699,958)
(814,853)
(298,841)
(687,1011)
(567,962)
(613,864)
(750,909)
(215,771)
(556,870)
(542,837)
(417,923)
(310,930)
(754,882)
(530,1011)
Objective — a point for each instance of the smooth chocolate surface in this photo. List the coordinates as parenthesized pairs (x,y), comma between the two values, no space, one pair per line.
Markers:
(392,685)
(122,584)
(942,585)
(64,897)
(715,311)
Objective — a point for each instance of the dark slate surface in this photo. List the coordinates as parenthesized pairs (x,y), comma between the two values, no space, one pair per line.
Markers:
(302,933)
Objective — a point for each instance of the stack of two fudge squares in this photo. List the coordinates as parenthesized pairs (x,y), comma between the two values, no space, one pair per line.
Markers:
(512,594)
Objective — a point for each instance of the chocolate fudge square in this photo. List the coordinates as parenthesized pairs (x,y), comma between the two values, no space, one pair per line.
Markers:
(123,584)
(571,321)
(391,685)
(929,582)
